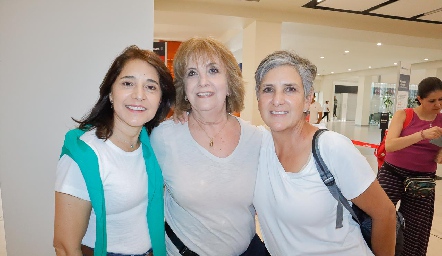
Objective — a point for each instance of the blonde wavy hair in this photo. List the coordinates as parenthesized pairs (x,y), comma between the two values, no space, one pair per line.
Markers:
(207,49)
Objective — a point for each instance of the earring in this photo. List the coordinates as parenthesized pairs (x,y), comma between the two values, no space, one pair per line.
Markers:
(112,103)
(185,98)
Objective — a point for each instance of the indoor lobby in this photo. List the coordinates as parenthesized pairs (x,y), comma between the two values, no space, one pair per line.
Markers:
(53,55)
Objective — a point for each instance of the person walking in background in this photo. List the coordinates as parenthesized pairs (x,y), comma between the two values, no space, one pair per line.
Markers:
(335,106)
(410,155)
(315,111)
(210,162)
(296,211)
(325,110)
(109,186)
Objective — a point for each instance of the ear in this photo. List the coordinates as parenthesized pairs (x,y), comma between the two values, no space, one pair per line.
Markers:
(308,100)
(419,99)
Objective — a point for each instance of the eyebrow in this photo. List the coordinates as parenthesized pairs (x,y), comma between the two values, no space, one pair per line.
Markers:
(132,77)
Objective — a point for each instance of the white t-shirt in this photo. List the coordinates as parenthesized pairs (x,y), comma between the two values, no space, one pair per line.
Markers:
(297,212)
(314,109)
(325,108)
(208,200)
(124,180)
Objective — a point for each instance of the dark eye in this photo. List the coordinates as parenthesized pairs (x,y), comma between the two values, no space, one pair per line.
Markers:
(127,83)
(213,70)
(151,87)
(267,89)
(191,73)
(290,89)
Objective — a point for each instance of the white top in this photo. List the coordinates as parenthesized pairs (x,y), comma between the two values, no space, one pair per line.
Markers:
(208,200)
(314,109)
(124,180)
(325,108)
(297,212)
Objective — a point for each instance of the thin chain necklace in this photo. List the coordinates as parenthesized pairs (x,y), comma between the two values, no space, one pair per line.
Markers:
(132,145)
(214,136)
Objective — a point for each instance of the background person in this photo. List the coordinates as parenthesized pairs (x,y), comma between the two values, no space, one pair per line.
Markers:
(109,187)
(296,211)
(335,106)
(315,110)
(325,110)
(210,162)
(410,154)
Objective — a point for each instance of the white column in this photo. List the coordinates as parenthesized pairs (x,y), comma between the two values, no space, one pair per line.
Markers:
(54,55)
(344,106)
(363,100)
(259,39)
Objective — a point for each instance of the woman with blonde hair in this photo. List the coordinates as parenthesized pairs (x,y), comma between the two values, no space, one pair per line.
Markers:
(210,162)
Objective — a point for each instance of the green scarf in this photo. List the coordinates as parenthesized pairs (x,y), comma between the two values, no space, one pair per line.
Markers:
(87,160)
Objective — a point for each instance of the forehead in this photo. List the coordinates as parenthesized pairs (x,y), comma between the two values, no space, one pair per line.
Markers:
(203,60)
(283,73)
(435,94)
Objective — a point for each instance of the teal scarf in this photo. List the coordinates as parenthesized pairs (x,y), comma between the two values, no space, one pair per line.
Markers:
(87,160)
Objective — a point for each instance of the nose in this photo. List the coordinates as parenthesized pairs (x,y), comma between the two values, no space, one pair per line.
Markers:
(278,98)
(203,79)
(138,93)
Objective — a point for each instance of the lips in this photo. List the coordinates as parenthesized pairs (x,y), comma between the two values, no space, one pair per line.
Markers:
(135,108)
(204,94)
(279,112)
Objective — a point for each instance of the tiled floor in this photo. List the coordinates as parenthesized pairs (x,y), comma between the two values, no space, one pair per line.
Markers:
(369,134)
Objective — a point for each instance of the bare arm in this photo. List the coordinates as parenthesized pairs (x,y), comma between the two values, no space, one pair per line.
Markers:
(71,220)
(378,206)
(394,142)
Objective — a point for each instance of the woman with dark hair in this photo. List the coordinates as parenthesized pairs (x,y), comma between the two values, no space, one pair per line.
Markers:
(109,186)
(411,155)
(209,163)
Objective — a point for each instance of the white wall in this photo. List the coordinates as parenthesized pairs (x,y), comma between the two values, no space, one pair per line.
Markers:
(53,56)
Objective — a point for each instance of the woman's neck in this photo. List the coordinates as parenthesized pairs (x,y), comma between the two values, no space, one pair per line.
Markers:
(423,115)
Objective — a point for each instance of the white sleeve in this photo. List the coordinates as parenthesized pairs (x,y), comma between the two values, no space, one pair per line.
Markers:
(352,172)
(69,180)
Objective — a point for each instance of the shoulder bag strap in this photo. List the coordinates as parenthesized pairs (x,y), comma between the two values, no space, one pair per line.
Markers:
(329,181)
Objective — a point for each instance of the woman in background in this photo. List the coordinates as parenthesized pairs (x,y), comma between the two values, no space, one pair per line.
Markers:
(410,154)
(210,162)
(109,187)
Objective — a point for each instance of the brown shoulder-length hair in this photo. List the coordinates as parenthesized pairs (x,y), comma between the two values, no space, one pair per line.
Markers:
(204,49)
(101,116)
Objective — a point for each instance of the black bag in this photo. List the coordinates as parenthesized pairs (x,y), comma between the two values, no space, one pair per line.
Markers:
(359,216)
(419,186)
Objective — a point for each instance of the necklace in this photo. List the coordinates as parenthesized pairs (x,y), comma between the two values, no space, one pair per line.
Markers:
(132,145)
(214,136)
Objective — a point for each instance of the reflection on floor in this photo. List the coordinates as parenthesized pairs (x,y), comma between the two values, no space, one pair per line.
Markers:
(372,134)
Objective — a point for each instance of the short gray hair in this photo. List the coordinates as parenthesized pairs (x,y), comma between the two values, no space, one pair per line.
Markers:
(305,68)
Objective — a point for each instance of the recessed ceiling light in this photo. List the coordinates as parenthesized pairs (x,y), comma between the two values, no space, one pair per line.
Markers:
(379,44)
(332,72)
(369,66)
(346,51)
(425,59)
(395,63)
(318,1)
(319,74)
(349,69)
(322,57)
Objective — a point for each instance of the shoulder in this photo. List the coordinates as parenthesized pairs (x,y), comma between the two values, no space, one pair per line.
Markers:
(164,127)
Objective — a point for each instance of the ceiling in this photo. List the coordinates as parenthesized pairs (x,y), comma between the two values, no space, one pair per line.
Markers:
(409,30)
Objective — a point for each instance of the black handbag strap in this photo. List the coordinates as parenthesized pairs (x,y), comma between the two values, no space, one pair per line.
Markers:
(329,181)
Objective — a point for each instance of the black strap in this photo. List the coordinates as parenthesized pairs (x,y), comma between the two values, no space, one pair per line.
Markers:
(183,250)
(329,181)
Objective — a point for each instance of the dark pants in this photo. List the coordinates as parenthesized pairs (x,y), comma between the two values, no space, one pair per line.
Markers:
(325,115)
(88,251)
(334,110)
(418,212)
(256,248)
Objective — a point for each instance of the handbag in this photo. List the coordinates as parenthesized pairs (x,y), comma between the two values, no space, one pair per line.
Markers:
(419,186)
(363,219)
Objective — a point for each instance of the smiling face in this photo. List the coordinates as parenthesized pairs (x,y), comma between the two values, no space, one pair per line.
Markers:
(206,85)
(281,99)
(135,94)
(432,103)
